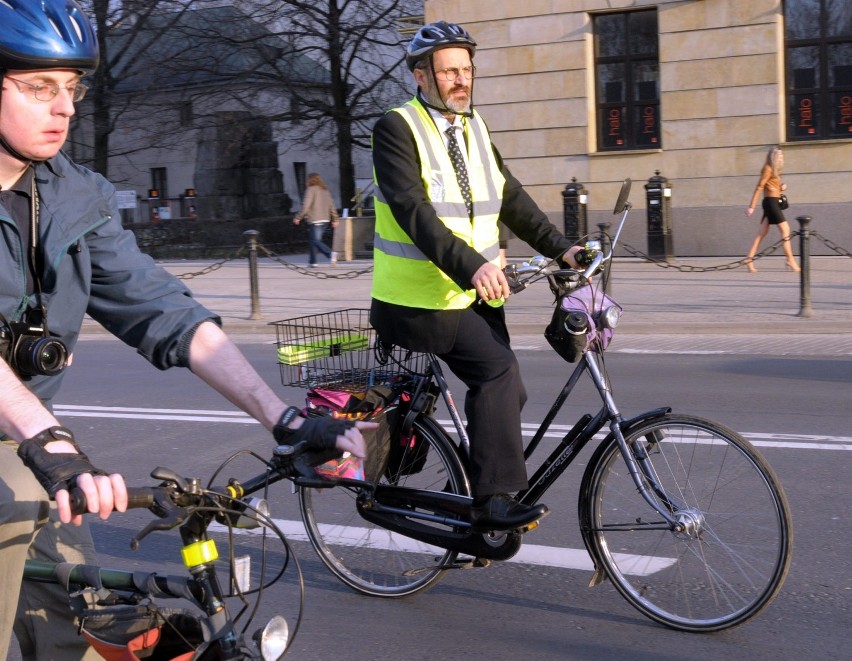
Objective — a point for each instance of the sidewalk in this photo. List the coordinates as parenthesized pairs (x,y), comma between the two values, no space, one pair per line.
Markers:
(704,309)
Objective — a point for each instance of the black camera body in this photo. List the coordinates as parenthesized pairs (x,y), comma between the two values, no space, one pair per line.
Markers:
(30,350)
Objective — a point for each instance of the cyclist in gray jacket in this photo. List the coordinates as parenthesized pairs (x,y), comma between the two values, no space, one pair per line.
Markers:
(64,254)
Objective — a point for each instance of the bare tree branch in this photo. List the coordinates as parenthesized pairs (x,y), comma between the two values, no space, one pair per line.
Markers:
(322,72)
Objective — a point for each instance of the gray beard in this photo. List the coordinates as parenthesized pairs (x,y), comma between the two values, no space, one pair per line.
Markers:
(457,107)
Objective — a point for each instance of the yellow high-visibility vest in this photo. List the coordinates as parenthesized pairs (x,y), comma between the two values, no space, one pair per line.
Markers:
(402,274)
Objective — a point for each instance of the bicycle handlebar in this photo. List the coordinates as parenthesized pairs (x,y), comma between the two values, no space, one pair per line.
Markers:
(177,497)
(563,280)
(137,498)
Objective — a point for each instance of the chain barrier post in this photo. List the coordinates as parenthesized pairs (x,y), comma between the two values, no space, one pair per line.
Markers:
(805,256)
(605,245)
(574,210)
(658,193)
(252,259)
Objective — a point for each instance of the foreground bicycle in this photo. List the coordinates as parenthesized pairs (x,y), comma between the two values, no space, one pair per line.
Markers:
(682,514)
(130,617)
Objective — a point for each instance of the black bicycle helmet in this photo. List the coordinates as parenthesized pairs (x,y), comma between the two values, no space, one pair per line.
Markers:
(46,34)
(436,36)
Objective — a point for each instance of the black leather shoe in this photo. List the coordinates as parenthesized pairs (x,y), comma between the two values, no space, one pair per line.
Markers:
(502,512)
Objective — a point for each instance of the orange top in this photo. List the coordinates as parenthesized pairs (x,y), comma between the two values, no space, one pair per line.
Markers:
(769,183)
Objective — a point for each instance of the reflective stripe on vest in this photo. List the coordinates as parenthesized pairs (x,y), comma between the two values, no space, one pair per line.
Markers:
(402,274)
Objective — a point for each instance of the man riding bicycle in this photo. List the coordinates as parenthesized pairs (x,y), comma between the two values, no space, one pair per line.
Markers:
(64,255)
(437,283)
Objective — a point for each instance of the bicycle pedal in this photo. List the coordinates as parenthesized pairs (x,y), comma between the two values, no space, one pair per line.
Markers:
(470,563)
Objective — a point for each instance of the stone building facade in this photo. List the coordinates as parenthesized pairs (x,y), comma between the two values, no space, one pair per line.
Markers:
(600,90)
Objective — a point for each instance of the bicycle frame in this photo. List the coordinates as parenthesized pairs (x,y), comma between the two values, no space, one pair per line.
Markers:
(576,439)
(584,430)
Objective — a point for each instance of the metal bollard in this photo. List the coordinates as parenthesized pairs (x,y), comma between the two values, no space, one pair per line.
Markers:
(605,244)
(658,192)
(574,211)
(252,258)
(805,255)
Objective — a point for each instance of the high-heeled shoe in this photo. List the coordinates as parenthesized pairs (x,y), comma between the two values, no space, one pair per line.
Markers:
(793,267)
(750,267)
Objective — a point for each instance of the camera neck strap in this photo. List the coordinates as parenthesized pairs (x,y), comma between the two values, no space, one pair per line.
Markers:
(34,262)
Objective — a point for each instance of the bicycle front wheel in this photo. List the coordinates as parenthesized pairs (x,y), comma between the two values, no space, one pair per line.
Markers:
(369,558)
(733,550)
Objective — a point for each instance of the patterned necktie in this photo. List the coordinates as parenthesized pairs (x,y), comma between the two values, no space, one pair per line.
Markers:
(460,168)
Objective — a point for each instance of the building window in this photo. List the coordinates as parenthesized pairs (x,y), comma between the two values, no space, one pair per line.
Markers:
(159,182)
(627,75)
(818,47)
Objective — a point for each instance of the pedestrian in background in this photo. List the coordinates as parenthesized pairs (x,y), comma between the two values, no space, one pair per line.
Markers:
(771,185)
(318,212)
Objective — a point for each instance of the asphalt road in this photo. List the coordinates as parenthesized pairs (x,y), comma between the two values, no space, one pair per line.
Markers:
(795,408)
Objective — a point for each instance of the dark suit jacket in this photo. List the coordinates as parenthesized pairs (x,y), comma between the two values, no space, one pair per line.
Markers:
(397,165)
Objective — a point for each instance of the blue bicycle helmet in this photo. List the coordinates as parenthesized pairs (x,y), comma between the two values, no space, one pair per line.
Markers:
(46,34)
(436,36)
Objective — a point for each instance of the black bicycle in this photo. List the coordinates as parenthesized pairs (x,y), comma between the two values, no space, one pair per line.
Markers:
(682,514)
(124,612)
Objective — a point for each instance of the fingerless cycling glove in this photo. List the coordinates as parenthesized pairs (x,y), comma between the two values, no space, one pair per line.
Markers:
(320,433)
(55,471)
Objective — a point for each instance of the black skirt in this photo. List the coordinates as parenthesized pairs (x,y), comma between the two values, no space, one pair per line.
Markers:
(772,210)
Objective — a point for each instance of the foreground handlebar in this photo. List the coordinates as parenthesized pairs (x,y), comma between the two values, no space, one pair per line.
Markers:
(167,502)
(137,498)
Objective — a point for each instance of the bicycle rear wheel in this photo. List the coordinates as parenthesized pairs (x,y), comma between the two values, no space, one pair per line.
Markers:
(365,556)
(734,552)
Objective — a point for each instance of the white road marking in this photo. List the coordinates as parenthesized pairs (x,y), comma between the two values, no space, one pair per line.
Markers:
(529,554)
(759,439)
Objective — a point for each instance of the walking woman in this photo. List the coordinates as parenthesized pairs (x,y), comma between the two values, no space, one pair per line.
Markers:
(772,186)
(318,210)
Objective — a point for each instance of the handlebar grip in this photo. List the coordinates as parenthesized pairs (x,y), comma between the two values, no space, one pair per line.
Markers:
(137,498)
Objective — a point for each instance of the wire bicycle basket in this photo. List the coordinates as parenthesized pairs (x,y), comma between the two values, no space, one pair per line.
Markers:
(339,350)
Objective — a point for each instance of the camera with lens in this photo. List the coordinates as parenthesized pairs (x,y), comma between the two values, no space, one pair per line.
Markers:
(30,350)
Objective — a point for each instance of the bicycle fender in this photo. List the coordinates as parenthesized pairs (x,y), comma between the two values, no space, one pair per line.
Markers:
(626,425)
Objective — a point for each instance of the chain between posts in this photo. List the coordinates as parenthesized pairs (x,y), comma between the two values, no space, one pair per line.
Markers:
(831,245)
(688,268)
(211,267)
(320,275)
(348,275)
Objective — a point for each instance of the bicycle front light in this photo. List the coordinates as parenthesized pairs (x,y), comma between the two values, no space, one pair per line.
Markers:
(609,317)
(273,639)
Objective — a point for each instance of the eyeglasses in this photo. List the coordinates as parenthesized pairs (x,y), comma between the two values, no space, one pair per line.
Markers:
(49,91)
(451,74)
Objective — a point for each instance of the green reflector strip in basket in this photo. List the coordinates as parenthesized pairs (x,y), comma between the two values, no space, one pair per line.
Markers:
(294,354)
